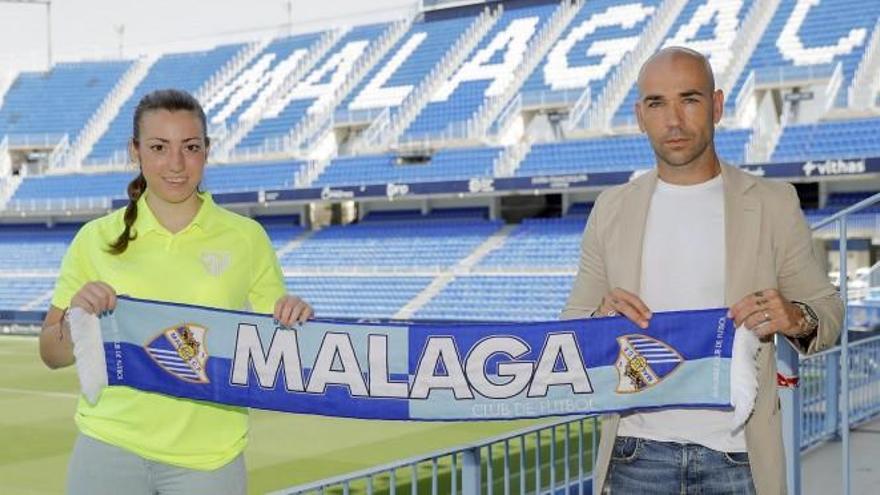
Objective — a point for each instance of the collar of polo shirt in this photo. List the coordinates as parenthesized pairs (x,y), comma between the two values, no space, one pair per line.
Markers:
(147,222)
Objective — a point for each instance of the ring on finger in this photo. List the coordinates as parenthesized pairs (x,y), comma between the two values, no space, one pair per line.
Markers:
(611,312)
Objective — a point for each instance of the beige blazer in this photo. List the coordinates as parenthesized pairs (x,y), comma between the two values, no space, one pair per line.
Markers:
(768,245)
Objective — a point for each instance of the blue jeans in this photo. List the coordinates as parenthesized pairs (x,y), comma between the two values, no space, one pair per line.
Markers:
(641,466)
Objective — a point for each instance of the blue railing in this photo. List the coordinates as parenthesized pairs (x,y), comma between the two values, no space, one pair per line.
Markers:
(851,367)
(820,386)
(553,458)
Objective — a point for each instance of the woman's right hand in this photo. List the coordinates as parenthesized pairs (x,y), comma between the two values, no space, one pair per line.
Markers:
(95,298)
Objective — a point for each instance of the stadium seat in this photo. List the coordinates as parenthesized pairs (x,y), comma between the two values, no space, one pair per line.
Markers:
(59,102)
(830,31)
(308,96)
(859,138)
(412,59)
(482,75)
(186,71)
(449,164)
(708,26)
(589,49)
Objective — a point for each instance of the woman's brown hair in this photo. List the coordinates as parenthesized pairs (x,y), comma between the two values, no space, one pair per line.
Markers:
(163,99)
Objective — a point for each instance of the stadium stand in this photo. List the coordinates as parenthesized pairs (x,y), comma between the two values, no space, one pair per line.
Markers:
(806,35)
(258,80)
(621,153)
(24,293)
(709,27)
(450,164)
(357,297)
(391,260)
(481,75)
(540,243)
(59,102)
(500,298)
(857,138)
(187,71)
(597,39)
(406,243)
(99,189)
(407,64)
(311,93)
(29,259)
(30,247)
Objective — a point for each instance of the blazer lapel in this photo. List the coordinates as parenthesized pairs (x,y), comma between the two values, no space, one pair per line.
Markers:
(742,226)
(631,224)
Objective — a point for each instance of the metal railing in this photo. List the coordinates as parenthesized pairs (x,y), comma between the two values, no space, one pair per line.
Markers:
(820,390)
(544,98)
(41,205)
(5,159)
(853,368)
(788,75)
(550,458)
(37,141)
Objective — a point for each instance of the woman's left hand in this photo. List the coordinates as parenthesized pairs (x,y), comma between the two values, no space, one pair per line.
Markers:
(290,309)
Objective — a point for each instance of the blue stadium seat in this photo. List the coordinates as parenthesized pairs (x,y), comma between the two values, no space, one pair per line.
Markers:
(60,101)
(26,292)
(551,243)
(296,107)
(829,140)
(431,41)
(186,71)
(259,78)
(714,38)
(112,185)
(500,298)
(449,164)
(356,297)
(28,248)
(589,49)
(615,154)
(832,31)
(458,107)
(427,243)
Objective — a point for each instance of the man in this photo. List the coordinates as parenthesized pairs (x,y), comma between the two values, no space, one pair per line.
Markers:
(692,234)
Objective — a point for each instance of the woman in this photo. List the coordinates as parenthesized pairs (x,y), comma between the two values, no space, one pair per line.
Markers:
(171,243)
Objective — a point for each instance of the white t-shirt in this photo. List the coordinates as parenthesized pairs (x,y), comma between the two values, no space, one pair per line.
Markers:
(683,260)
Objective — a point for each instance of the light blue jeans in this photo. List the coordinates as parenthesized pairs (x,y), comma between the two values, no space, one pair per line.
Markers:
(98,468)
(640,466)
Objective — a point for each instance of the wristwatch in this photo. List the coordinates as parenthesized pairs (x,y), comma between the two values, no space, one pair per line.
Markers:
(810,322)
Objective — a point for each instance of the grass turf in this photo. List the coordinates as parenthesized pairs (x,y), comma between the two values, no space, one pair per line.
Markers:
(37,434)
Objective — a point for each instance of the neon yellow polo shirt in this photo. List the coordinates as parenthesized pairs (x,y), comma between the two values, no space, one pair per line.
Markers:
(221,260)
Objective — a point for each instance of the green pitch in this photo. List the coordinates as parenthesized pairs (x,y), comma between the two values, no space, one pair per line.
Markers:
(37,433)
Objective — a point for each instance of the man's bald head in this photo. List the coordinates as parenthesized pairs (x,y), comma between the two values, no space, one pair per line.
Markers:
(678,108)
(677,58)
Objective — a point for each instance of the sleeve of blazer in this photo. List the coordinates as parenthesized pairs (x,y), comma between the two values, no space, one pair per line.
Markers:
(591,282)
(801,278)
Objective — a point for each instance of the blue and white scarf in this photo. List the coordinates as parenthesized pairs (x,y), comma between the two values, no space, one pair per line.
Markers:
(397,370)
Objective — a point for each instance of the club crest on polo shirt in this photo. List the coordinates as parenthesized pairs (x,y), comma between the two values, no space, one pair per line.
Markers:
(180,350)
(216,262)
(643,362)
